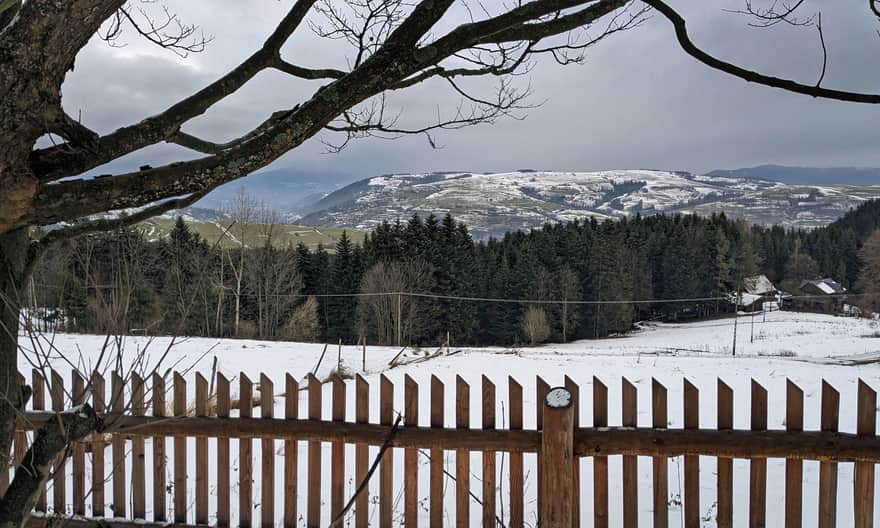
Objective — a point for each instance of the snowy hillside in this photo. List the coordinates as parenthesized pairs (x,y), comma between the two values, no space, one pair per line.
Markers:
(494,203)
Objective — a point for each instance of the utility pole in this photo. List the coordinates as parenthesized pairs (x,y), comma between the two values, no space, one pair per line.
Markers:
(736,314)
(752,337)
(398,319)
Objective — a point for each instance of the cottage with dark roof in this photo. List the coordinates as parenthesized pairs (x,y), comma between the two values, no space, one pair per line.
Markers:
(820,295)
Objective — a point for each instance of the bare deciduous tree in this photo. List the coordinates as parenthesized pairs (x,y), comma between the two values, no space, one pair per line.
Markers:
(396,44)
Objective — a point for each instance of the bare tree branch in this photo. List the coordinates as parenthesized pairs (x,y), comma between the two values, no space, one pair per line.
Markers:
(684,40)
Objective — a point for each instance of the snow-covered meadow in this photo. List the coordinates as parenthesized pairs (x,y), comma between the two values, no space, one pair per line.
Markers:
(805,348)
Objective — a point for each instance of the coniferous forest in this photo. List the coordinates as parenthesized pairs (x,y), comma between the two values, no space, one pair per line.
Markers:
(119,282)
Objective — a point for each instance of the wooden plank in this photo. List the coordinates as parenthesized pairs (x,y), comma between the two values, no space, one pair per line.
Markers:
(386,470)
(435,476)
(410,456)
(462,457)
(267,453)
(557,450)
(224,405)
(78,450)
(576,461)
(313,506)
(21,439)
(117,405)
(138,464)
(59,477)
(488,390)
(794,469)
(38,386)
(160,479)
(541,389)
(600,463)
(660,469)
(629,412)
(724,517)
(362,451)
(337,452)
(180,404)
(828,470)
(863,484)
(291,411)
(758,466)
(691,462)
(517,480)
(201,453)
(245,454)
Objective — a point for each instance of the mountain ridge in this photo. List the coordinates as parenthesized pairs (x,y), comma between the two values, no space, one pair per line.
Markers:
(494,203)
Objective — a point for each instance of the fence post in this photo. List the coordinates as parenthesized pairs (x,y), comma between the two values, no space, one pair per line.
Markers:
(557,454)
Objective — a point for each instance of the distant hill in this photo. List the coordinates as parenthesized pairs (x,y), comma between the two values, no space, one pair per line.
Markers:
(491,204)
(805,175)
(288,190)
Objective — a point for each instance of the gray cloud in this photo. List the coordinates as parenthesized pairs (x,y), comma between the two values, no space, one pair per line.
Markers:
(638,102)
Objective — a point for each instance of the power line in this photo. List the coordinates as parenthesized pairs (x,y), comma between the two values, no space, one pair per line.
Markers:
(506,300)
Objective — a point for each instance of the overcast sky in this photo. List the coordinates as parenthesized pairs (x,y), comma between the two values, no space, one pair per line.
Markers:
(638,101)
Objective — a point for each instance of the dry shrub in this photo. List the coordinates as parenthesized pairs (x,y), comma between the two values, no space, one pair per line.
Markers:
(303,323)
(535,326)
(247,329)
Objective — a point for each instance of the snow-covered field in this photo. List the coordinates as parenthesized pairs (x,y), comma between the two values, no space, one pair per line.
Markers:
(805,348)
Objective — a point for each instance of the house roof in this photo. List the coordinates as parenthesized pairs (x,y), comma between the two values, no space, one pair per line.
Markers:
(826,286)
(758,285)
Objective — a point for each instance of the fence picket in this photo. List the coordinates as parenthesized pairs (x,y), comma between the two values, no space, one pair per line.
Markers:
(180,405)
(758,466)
(38,386)
(267,452)
(600,463)
(436,466)
(629,411)
(201,453)
(224,405)
(138,470)
(488,390)
(828,470)
(462,457)
(541,390)
(159,464)
(21,438)
(515,397)
(78,450)
(245,453)
(59,478)
(660,469)
(386,471)
(117,404)
(313,506)
(362,451)
(576,462)
(724,518)
(691,462)
(794,469)
(410,455)
(337,452)
(863,485)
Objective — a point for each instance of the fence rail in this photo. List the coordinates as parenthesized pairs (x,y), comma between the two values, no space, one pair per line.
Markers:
(138,421)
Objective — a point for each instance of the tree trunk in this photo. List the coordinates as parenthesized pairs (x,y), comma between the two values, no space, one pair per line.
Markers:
(13,254)
(51,439)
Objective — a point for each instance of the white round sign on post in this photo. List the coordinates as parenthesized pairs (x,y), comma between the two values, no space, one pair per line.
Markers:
(558,398)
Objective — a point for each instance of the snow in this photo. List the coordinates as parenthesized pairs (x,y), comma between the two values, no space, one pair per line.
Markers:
(805,348)
(825,287)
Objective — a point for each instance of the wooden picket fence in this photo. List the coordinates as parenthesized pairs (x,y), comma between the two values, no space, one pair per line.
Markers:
(135,411)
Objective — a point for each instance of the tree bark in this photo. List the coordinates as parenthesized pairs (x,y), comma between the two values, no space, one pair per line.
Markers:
(13,256)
